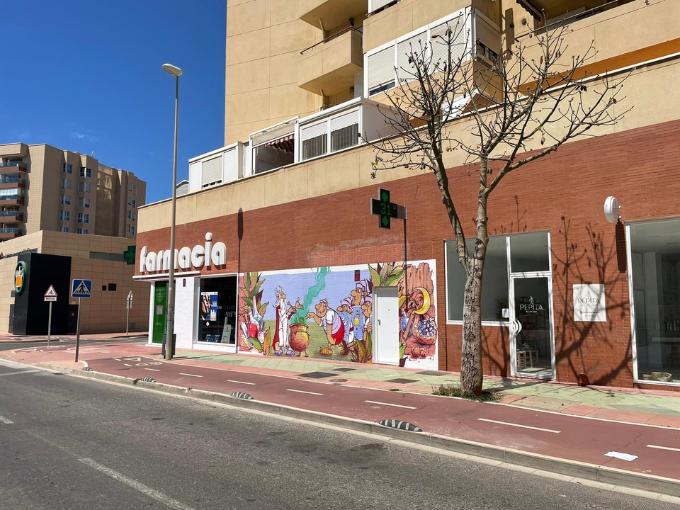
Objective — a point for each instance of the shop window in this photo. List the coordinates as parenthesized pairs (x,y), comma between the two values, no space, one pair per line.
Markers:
(529,252)
(494,284)
(112,287)
(655,261)
(217,310)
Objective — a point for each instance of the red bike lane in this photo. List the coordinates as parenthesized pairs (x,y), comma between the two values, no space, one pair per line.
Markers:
(656,449)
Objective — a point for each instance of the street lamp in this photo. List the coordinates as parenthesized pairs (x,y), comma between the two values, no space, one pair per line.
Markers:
(170,324)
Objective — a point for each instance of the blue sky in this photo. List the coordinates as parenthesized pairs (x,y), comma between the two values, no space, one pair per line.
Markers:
(85,75)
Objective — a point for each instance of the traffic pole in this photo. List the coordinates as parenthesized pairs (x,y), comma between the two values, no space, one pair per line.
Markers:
(49,325)
(127,317)
(78,331)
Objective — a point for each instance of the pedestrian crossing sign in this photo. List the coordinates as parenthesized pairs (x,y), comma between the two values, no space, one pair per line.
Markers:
(81,288)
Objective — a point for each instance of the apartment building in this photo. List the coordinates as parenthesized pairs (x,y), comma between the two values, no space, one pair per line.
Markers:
(46,188)
(279,254)
(65,215)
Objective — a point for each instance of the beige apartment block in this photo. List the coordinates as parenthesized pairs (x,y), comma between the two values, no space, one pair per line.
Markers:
(99,258)
(46,188)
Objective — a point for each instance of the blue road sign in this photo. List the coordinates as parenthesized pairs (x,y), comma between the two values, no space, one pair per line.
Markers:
(81,288)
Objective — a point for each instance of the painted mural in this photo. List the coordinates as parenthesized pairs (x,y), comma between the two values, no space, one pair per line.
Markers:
(327,312)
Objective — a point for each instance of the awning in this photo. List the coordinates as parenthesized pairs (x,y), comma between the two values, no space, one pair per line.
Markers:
(285,143)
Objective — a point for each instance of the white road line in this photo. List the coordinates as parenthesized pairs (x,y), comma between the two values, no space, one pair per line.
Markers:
(518,425)
(306,392)
(663,447)
(388,404)
(153,369)
(241,382)
(6,421)
(20,372)
(190,375)
(148,491)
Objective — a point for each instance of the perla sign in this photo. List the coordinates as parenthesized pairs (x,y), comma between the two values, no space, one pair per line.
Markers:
(201,255)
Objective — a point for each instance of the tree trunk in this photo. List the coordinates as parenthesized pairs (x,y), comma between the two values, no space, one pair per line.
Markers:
(471,353)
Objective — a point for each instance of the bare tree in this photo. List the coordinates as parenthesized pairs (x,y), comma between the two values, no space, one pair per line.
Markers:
(501,112)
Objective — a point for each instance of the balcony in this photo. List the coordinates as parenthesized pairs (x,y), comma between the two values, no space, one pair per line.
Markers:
(11,167)
(620,30)
(331,14)
(331,66)
(9,232)
(11,216)
(341,127)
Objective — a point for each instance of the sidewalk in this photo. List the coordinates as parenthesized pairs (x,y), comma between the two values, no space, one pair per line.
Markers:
(9,338)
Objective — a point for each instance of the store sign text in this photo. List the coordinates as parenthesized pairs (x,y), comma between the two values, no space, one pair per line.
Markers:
(200,256)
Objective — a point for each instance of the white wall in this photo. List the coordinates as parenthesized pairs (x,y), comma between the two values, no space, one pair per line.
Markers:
(186,301)
(195,171)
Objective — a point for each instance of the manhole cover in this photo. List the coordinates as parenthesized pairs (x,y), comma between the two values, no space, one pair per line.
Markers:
(344,369)
(431,372)
(317,375)
(401,380)
(338,380)
(401,425)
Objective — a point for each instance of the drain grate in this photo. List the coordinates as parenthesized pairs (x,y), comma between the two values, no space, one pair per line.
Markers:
(317,375)
(241,395)
(401,425)
(338,380)
(432,372)
(344,369)
(148,379)
(87,369)
(401,380)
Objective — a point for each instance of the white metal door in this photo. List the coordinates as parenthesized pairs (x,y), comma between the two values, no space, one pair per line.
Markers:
(386,325)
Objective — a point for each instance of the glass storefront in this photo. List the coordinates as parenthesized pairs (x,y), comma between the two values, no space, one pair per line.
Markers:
(515,293)
(655,270)
(217,310)
(494,284)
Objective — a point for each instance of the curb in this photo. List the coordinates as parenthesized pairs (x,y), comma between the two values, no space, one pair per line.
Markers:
(565,467)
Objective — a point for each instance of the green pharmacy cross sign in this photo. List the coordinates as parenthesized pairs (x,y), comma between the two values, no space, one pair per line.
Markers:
(129,255)
(385,209)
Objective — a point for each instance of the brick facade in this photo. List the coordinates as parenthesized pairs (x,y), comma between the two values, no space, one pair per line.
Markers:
(562,194)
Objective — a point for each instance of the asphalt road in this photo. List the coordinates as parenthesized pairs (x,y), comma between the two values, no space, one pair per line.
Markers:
(68,443)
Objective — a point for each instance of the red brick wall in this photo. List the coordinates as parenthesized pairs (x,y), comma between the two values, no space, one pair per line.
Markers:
(563,194)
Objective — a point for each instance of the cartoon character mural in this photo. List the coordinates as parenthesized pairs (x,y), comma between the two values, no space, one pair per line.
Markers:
(334,317)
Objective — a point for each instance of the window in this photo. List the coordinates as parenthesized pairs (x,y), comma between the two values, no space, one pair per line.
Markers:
(344,130)
(528,253)
(86,217)
(66,183)
(65,200)
(84,202)
(655,271)
(85,172)
(80,217)
(64,229)
(494,284)
(129,214)
(112,287)
(65,215)
(380,71)
(68,168)
(387,66)
(314,140)
(85,187)
(132,229)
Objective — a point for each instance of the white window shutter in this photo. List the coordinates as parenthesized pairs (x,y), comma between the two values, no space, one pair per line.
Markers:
(212,170)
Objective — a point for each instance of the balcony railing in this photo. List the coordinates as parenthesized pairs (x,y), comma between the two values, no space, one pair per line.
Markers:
(10,212)
(4,164)
(9,230)
(8,179)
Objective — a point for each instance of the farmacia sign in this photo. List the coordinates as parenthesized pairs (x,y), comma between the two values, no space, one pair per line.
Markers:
(200,256)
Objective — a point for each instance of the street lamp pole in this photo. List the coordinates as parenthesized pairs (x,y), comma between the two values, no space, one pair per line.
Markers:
(170,324)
